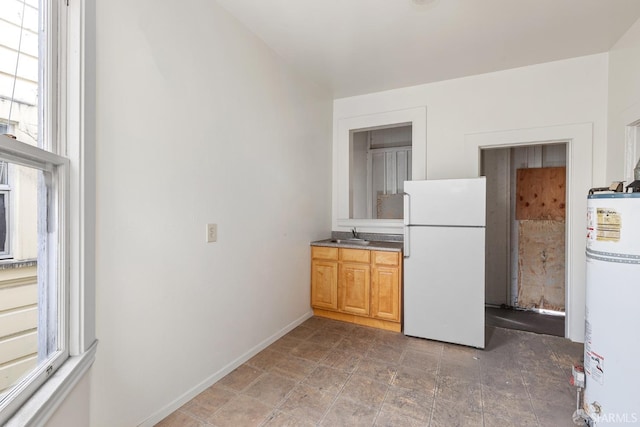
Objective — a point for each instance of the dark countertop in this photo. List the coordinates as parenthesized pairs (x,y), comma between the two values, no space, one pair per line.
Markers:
(373,245)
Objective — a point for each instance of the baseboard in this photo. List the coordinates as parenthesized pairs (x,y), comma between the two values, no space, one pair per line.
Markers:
(212,379)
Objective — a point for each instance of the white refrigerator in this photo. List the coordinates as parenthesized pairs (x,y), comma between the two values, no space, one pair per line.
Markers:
(444,248)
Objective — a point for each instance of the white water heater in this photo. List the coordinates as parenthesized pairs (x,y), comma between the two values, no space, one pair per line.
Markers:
(612,320)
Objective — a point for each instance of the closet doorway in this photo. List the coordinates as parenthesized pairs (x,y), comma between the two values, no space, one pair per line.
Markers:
(525,271)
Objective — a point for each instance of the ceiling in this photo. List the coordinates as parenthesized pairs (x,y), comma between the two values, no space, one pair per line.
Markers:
(360,46)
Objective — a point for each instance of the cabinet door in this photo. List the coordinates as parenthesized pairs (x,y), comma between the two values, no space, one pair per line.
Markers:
(324,284)
(385,293)
(354,289)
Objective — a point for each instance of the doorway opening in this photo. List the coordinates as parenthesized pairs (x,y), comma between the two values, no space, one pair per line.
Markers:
(525,253)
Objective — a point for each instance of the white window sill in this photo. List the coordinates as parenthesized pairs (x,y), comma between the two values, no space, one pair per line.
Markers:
(41,406)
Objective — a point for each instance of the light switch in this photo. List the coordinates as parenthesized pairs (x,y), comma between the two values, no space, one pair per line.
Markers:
(212,233)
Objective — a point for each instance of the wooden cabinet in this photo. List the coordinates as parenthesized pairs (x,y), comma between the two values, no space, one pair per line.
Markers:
(385,292)
(357,285)
(324,277)
(354,286)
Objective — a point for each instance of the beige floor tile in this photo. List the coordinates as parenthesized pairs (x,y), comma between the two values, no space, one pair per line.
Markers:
(310,351)
(327,380)
(364,332)
(566,360)
(499,377)
(209,401)
(425,346)
(555,389)
(355,345)
(344,360)
(301,332)
(420,360)
(507,394)
(285,344)
(270,388)
(265,360)
(325,338)
(415,379)
(241,377)
(307,403)
(496,338)
(316,322)
(499,360)
(281,419)
(364,390)
(180,419)
(461,390)
(392,419)
(510,419)
(345,412)
(377,370)
(341,328)
(503,406)
(545,367)
(330,373)
(293,367)
(385,353)
(241,411)
(453,352)
(554,414)
(448,413)
(408,403)
(459,368)
(393,339)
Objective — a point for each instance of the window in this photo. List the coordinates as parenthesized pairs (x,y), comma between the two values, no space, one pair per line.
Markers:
(380,163)
(5,225)
(387,147)
(46,332)
(32,351)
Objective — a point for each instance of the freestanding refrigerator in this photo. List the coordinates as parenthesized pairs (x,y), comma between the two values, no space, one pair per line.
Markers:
(612,318)
(444,247)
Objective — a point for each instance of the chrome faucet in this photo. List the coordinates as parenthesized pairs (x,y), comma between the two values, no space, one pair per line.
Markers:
(354,233)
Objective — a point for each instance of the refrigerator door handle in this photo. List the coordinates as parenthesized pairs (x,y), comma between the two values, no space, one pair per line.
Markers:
(407,205)
(406,220)
(406,251)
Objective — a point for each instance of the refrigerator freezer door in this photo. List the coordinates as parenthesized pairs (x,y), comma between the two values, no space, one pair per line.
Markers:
(451,202)
(444,285)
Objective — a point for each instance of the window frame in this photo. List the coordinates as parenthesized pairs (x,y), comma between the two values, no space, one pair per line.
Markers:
(343,127)
(69,126)
(7,254)
(5,188)
(57,242)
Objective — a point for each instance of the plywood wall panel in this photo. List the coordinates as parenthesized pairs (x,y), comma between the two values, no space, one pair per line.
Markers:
(541,194)
(541,265)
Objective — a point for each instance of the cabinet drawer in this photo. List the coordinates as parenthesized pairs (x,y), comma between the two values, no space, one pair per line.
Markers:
(386,258)
(321,252)
(355,255)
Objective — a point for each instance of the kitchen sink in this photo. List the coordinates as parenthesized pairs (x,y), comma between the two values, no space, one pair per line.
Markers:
(352,241)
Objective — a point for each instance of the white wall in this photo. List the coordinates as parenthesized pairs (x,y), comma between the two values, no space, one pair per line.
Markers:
(74,412)
(557,94)
(624,103)
(197,122)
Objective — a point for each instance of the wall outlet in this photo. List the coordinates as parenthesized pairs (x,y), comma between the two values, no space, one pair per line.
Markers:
(212,233)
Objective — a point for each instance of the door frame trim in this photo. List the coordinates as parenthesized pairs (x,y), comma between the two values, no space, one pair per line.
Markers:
(579,143)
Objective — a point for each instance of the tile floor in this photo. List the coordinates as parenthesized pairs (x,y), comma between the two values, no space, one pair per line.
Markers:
(329,373)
